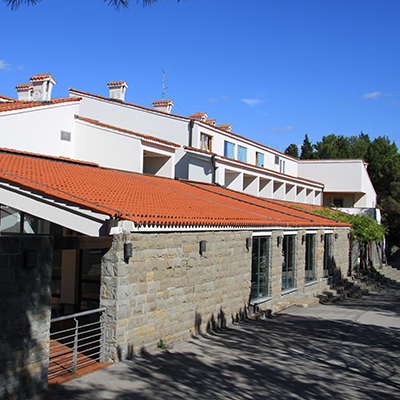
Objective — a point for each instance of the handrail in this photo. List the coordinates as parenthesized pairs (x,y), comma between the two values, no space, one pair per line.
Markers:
(81,314)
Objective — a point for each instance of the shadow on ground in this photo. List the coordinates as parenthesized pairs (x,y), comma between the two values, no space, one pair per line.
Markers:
(286,357)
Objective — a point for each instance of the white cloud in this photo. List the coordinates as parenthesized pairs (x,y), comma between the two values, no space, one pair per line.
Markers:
(286,128)
(252,102)
(212,100)
(393,103)
(373,95)
(392,94)
(4,66)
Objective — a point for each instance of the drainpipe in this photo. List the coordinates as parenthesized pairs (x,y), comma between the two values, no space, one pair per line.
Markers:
(214,168)
(191,125)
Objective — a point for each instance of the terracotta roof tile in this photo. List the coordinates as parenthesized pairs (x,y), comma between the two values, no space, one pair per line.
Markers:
(24,86)
(6,99)
(117,83)
(147,199)
(16,105)
(161,102)
(39,77)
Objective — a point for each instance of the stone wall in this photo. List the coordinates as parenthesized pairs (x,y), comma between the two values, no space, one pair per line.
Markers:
(25,273)
(168,290)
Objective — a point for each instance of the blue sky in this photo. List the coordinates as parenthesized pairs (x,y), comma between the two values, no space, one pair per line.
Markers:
(274,69)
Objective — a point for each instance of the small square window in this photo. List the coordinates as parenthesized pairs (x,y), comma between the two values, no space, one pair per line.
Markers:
(277,160)
(66,136)
(242,154)
(229,149)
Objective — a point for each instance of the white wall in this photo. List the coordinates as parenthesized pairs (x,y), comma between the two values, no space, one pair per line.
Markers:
(341,176)
(38,129)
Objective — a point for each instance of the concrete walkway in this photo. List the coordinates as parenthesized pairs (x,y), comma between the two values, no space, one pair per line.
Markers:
(346,350)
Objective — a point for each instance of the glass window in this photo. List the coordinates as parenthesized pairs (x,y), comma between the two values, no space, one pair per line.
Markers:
(242,154)
(229,149)
(10,220)
(288,262)
(282,165)
(205,142)
(260,267)
(260,159)
(328,254)
(310,257)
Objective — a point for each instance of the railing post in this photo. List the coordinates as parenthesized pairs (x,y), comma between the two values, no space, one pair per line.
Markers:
(75,356)
(103,338)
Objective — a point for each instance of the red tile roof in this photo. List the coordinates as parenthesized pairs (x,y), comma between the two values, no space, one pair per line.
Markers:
(152,138)
(6,98)
(117,83)
(147,199)
(16,105)
(199,115)
(39,77)
(24,86)
(161,102)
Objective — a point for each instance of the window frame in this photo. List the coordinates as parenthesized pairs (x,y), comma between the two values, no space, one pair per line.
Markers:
(259,157)
(328,254)
(289,268)
(310,257)
(242,153)
(205,142)
(229,149)
(260,291)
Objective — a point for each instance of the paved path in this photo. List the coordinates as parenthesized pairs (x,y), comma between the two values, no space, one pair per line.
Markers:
(346,350)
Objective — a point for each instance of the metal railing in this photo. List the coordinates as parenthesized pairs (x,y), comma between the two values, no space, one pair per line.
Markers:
(81,343)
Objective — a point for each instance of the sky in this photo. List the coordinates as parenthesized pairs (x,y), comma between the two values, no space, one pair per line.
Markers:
(273,69)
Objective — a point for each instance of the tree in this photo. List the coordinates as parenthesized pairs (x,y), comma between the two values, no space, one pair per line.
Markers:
(307,150)
(292,150)
(117,4)
(333,147)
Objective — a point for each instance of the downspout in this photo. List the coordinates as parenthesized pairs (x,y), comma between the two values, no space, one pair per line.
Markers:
(191,125)
(214,168)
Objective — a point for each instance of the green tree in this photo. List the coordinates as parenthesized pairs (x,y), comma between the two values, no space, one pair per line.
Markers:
(333,147)
(359,146)
(292,150)
(307,150)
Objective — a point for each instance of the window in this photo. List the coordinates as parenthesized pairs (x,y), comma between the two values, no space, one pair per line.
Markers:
(242,154)
(277,160)
(260,265)
(260,159)
(66,136)
(328,255)
(282,165)
(310,257)
(205,142)
(288,262)
(229,149)
(337,201)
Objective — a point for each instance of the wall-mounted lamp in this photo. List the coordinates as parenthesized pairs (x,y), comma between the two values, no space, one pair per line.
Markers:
(202,247)
(349,235)
(336,235)
(279,240)
(248,243)
(322,238)
(30,259)
(303,239)
(127,251)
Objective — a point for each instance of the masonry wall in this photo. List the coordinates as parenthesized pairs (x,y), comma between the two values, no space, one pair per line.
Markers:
(25,297)
(168,290)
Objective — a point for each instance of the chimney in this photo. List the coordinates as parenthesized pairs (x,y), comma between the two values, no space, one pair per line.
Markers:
(24,91)
(42,87)
(227,128)
(199,116)
(212,122)
(163,105)
(117,90)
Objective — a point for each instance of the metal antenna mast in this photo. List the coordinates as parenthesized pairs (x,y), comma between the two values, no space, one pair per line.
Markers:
(163,85)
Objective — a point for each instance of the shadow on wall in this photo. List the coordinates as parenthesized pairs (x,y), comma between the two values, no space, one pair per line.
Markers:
(25,298)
